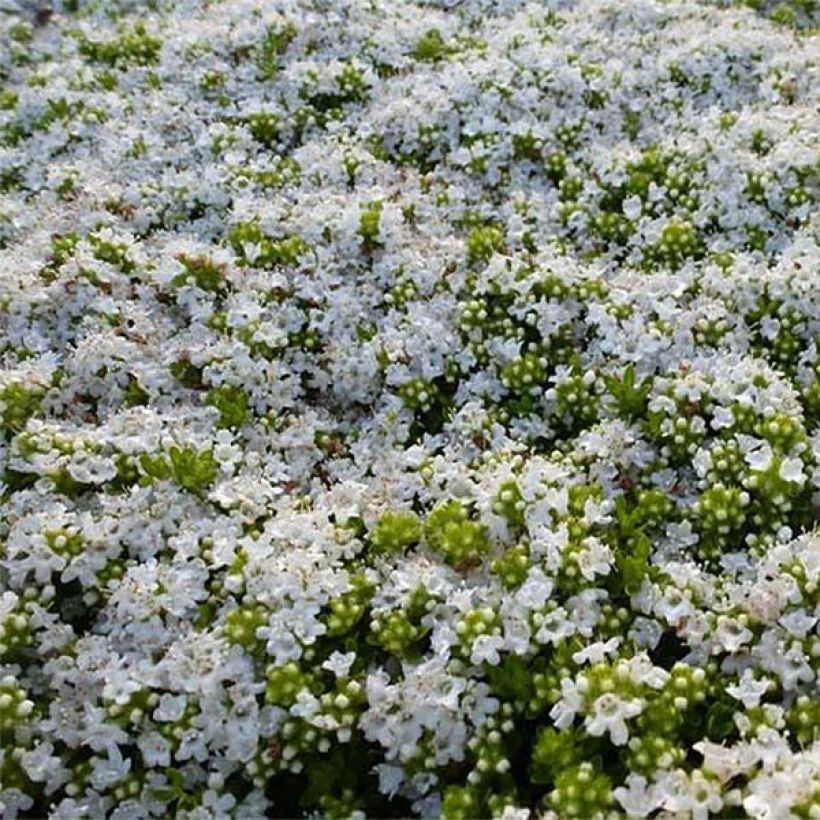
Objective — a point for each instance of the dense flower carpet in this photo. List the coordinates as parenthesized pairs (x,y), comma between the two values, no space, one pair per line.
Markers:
(409,409)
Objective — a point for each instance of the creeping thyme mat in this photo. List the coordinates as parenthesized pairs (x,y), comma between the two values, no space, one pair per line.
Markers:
(409,409)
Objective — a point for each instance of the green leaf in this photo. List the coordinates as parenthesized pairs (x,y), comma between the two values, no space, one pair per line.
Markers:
(193,471)
(630,397)
(720,719)
(232,403)
(511,680)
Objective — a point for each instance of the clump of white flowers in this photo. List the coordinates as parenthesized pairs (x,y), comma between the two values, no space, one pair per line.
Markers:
(409,409)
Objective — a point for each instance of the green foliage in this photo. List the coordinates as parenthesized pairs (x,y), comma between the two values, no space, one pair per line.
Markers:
(804,720)
(240,628)
(193,470)
(395,532)
(630,397)
(396,632)
(265,127)
(679,241)
(431,47)
(526,146)
(114,253)
(720,511)
(203,272)
(483,242)
(581,791)
(419,395)
(267,252)
(347,610)
(282,171)
(233,405)
(556,751)
(513,567)
(450,531)
(526,373)
(351,87)
(460,803)
(511,680)
(133,47)
(16,635)
(510,504)
(369,223)
(18,403)
(274,45)
(187,373)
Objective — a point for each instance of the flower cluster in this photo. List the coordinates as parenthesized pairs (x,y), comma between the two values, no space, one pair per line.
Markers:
(409,409)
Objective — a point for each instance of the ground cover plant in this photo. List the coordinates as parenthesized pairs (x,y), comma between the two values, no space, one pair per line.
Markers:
(409,409)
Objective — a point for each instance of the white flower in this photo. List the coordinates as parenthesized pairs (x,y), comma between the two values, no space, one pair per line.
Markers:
(798,623)
(41,764)
(732,633)
(485,649)
(761,458)
(749,690)
(722,418)
(339,663)
(571,702)
(129,810)
(646,632)
(12,801)
(554,626)
(594,559)
(170,708)
(390,778)
(514,813)
(518,207)
(681,535)
(109,770)
(642,670)
(535,591)
(722,761)
(674,606)
(155,749)
(691,793)
(791,470)
(771,795)
(597,652)
(637,799)
(219,803)
(632,208)
(706,797)
(609,713)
